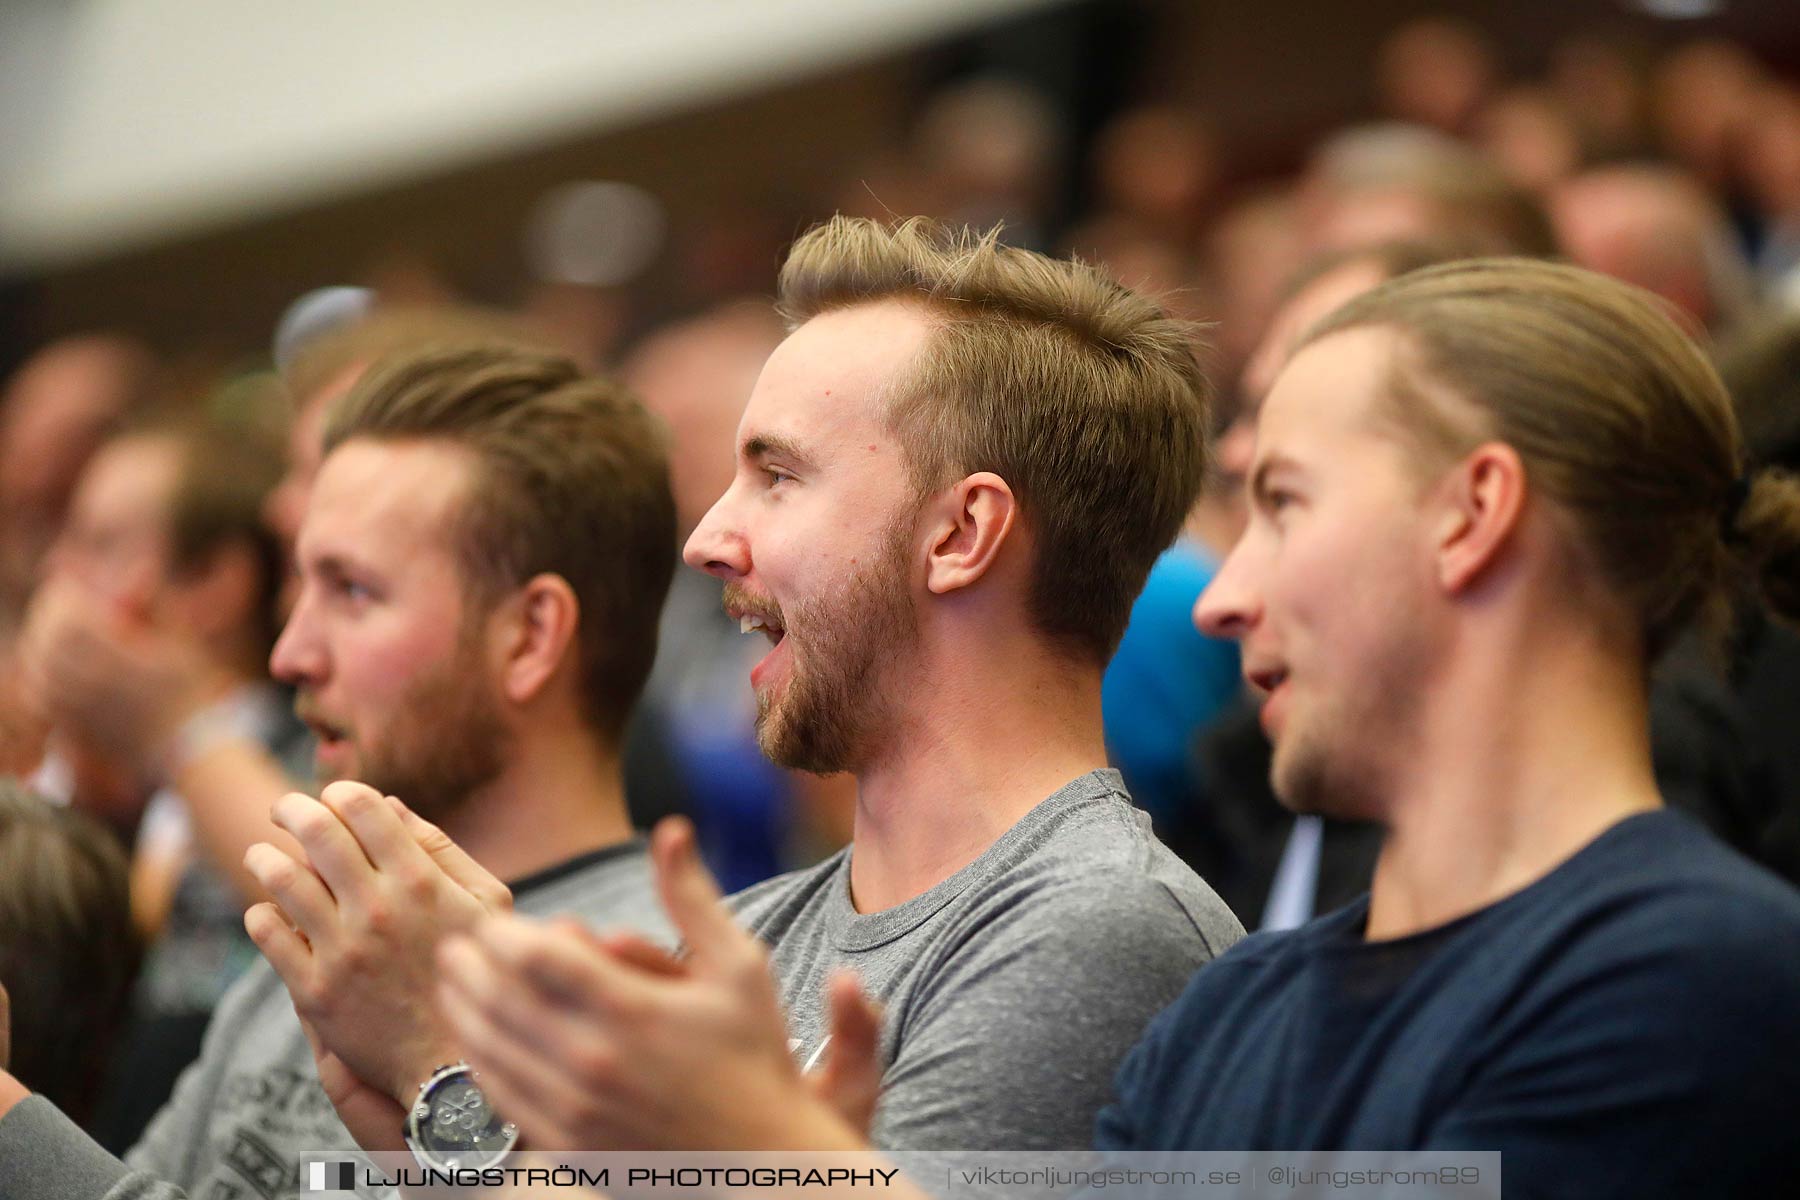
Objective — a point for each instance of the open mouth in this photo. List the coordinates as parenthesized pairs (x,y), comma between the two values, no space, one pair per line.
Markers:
(1266,679)
(770,627)
(756,622)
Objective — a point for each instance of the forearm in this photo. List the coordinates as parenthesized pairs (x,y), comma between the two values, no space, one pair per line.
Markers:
(228,789)
(43,1155)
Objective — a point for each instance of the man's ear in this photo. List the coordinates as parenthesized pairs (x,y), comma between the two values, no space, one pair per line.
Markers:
(1483,498)
(972,521)
(539,629)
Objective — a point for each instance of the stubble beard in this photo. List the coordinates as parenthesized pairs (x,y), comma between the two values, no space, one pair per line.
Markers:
(835,711)
(444,741)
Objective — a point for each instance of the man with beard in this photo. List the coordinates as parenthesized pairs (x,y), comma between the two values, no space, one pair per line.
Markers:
(952,479)
(482,561)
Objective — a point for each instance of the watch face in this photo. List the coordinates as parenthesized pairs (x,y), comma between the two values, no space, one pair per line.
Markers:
(454,1124)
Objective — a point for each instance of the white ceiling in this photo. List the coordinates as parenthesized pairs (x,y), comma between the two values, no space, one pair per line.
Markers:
(126,122)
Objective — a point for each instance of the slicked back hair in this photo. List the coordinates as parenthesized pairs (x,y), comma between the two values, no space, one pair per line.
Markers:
(571,479)
(1619,418)
(1085,397)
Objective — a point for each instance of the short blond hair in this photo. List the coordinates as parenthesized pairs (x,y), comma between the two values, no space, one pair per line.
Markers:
(1619,418)
(1084,396)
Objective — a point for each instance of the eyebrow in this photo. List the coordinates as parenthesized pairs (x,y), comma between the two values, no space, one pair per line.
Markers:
(1259,478)
(773,445)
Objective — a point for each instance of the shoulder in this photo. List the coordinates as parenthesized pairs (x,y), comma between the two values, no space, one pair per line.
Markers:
(774,903)
(613,886)
(1096,868)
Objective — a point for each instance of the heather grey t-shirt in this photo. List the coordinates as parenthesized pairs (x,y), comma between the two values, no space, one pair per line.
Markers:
(1013,988)
(242,1115)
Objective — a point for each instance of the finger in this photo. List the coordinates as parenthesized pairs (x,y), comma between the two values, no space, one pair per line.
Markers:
(565,967)
(287,953)
(526,1013)
(451,858)
(331,850)
(635,950)
(377,828)
(693,900)
(294,886)
(850,1080)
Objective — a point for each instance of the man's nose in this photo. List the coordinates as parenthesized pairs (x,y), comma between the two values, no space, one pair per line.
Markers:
(718,545)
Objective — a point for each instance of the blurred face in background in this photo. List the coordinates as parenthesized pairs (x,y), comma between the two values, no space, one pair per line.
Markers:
(813,537)
(286,507)
(115,542)
(53,415)
(385,644)
(1313,301)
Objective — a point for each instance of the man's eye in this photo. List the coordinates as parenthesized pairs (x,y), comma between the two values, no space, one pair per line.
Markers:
(777,475)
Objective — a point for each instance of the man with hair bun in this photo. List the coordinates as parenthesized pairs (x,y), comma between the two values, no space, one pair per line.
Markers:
(1520,481)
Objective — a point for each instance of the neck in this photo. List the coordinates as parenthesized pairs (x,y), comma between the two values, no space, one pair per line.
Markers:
(1526,756)
(968,755)
(561,795)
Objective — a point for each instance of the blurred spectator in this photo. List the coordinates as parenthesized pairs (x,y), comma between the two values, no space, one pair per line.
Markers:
(1530,135)
(1375,183)
(1771,173)
(1435,71)
(67,948)
(56,409)
(1656,227)
(989,151)
(1725,740)
(1704,95)
(1249,255)
(1601,84)
(1166,682)
(1158,166)
(164,552)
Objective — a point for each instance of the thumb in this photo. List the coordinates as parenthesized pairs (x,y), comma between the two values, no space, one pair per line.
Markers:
(850,1080)
(689,893)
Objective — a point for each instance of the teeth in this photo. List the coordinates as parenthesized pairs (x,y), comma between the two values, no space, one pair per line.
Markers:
(747,623)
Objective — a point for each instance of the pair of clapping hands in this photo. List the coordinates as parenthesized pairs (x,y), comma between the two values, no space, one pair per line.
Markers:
(401,955)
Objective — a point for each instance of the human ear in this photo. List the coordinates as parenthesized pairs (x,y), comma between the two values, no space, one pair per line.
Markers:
(539,629)
(1483,498)
(973,524)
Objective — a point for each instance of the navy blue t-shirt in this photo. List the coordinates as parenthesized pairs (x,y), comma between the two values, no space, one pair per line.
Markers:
(1628,1025)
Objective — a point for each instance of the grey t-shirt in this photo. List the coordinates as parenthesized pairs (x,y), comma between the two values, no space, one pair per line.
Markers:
(1013,988)
(242,1115)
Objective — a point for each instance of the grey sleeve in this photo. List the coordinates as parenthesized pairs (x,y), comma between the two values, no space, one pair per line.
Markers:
(171,1145)
(44,1156)
(1014,1044)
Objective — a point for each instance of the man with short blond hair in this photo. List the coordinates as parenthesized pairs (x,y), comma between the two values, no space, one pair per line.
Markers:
(952,479)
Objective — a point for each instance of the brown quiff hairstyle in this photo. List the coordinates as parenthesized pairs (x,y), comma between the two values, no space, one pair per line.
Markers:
(571,479)
(1619,418)
(1085,397)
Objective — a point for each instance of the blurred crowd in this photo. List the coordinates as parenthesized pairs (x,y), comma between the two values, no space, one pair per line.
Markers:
(147,515)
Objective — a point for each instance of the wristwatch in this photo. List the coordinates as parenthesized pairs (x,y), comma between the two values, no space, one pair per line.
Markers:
(451,1126)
